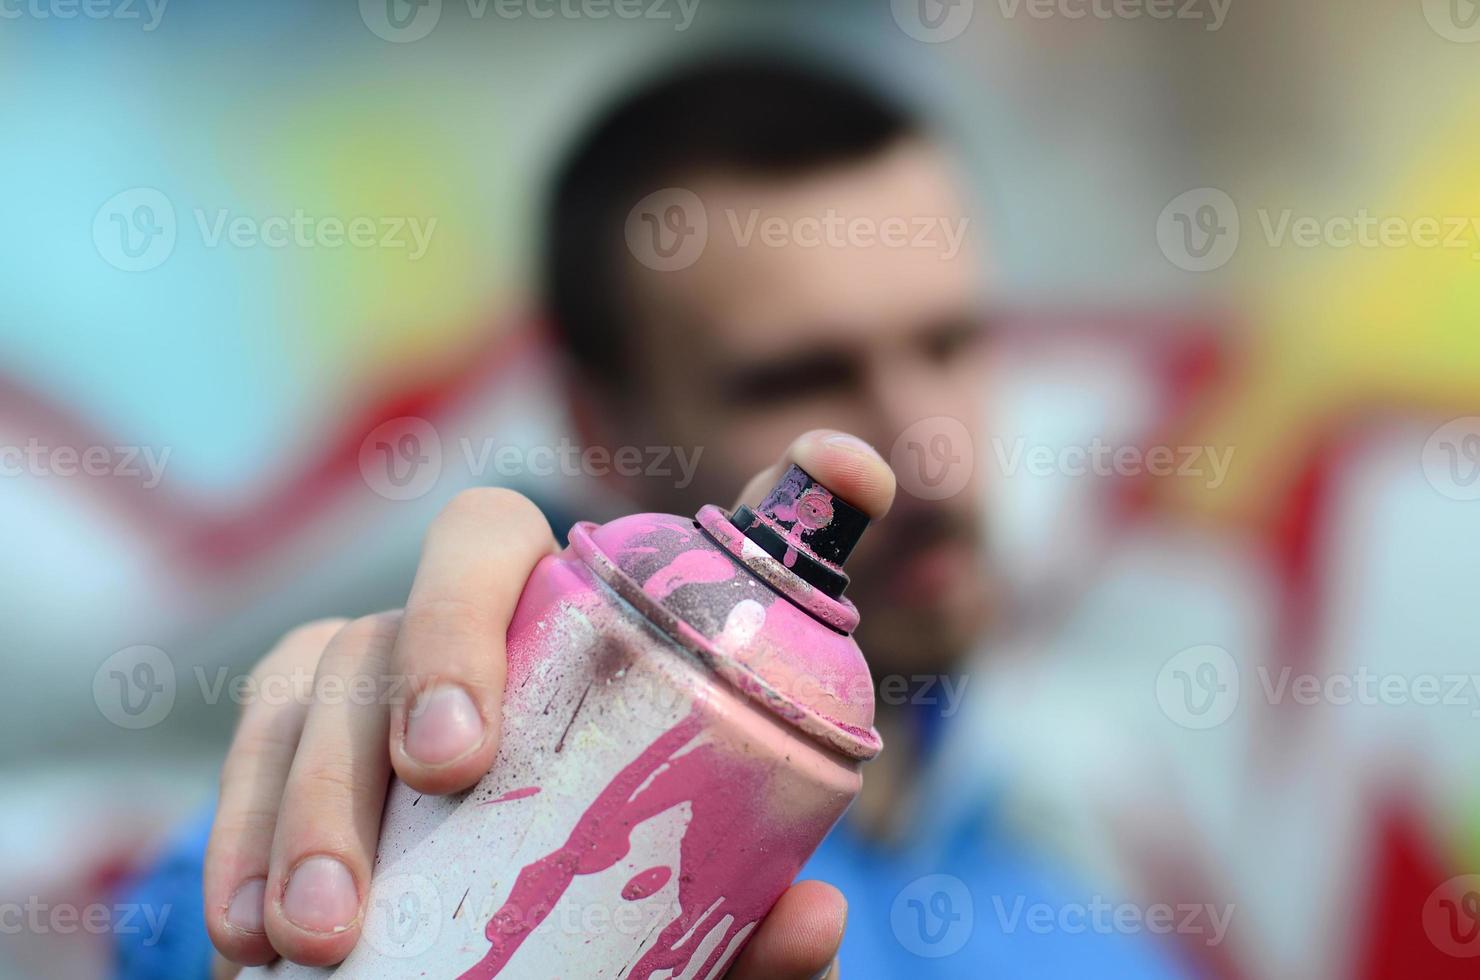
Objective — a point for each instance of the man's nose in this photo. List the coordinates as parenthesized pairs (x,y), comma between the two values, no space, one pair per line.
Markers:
(901,392)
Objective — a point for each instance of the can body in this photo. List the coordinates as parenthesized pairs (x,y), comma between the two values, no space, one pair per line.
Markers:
(649,802)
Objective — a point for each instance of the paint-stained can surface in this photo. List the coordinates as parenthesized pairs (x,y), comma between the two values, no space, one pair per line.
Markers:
(685,717)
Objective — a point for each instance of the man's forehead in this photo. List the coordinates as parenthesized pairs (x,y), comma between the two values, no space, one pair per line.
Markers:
(912,170)
(795,263)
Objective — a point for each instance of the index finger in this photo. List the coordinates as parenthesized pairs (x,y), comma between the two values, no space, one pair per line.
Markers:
(845,464)
(478,554)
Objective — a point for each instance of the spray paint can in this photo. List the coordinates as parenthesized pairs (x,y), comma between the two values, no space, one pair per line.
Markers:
(685,716)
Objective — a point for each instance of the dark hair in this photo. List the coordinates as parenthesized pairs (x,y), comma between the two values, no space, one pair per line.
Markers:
(744,114)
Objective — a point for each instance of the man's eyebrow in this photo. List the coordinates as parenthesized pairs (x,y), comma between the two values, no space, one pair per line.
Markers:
(787,373)
(965,326)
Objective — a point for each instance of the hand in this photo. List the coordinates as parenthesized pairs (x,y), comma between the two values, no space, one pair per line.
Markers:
(304,782)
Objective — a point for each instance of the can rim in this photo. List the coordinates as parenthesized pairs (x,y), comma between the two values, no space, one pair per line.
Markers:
(839,613)
(850,740)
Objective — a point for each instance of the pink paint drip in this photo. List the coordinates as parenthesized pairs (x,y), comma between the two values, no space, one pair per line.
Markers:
(656,781)
(805,510)
(782,501)
(513,794)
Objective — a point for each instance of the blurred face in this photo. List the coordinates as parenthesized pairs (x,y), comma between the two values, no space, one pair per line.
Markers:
(846,298)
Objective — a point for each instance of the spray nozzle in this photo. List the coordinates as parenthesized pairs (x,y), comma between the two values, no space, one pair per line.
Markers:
(803,525)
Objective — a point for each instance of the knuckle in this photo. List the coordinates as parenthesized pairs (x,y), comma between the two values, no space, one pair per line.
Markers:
(313,634)
(253,750)
(265,741)
(243,827)
(327,781)
(355,660)
(371,634)
(305,642)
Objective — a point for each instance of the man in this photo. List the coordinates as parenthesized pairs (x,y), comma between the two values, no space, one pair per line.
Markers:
(742,251)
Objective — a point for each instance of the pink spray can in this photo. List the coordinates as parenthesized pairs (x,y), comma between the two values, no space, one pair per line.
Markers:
(685,716)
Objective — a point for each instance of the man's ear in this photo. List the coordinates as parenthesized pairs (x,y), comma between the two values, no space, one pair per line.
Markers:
(598,416)
(589,406)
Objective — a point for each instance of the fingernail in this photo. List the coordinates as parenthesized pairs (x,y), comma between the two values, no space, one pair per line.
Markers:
(245,909)
(851,443)
(321,896)
(444,725)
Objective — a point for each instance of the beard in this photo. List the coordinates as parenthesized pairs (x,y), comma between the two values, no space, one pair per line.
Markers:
(921,583)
